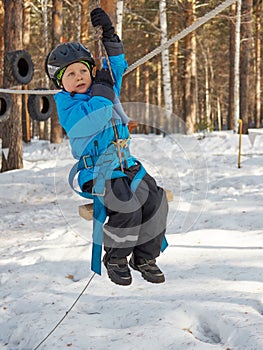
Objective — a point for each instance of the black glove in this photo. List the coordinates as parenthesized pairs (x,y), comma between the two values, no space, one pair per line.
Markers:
(103,77)
(103,85)
(100,18)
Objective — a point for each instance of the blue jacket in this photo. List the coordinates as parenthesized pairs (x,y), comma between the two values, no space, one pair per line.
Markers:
(87,118)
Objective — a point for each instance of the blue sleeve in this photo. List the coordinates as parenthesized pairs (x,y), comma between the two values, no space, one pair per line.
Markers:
(82,118)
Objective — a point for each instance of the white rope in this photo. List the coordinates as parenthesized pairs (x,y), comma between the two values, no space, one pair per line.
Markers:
(181,35)
(151,54)
(29,92)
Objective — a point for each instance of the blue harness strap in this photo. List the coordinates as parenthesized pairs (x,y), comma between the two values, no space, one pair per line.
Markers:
(104,169)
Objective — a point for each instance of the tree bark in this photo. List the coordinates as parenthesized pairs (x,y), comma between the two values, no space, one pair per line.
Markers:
(26,23)
(12,128)
(57,27)
(189,98)
(258,79)
(167,88)
(237,66)
(119,15)
(84,24)
(245,63)
(175,79)
(1,42)
(231,93)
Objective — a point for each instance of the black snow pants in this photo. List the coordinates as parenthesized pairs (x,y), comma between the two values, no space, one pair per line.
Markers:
(136,221)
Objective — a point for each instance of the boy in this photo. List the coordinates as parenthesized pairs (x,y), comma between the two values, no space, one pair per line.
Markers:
(89,111)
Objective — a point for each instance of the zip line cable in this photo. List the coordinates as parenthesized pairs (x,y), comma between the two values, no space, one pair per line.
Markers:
(66,314)
(181,35)
(151,54)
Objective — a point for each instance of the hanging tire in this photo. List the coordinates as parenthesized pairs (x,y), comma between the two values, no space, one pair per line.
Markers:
(20,67)
(5,106)
(40,107)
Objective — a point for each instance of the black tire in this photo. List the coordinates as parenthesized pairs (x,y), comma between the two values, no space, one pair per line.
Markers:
(20,66)
(40,107)
(5,106)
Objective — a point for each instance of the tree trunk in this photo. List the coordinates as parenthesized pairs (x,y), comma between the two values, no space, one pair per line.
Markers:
(2,49)
(237,65)
(26,22)
(56,129)
(231,91)
(1,42)
(175,79)
(245,64)
(84,24)
(206,111)
(119,14)
(147,99)
(12,128)
(189,98)
(26,121)
(258,79)
(167,88)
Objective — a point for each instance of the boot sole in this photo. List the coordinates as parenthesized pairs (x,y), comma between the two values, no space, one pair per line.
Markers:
(119,281)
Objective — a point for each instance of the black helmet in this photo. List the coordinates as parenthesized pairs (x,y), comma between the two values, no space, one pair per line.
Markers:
(63,55)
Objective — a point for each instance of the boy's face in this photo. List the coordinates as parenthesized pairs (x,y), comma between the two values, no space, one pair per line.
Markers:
(76,78)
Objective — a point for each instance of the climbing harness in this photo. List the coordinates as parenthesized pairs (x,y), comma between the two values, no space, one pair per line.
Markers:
(198,23)
(105,167)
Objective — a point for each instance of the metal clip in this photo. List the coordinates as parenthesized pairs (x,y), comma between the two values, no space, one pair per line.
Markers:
(85,162)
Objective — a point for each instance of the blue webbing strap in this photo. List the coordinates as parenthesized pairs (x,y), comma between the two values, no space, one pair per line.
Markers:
(164,244)
(99,212)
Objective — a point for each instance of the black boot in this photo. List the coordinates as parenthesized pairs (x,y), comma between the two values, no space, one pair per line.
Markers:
(148,268)
(118,270)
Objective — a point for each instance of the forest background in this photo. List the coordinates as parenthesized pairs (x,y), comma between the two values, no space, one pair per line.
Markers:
(194,79)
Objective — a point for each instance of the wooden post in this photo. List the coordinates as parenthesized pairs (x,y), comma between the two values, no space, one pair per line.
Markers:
(26,118)
(240,122)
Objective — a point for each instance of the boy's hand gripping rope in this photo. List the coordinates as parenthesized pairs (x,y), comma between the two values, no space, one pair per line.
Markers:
(100,54)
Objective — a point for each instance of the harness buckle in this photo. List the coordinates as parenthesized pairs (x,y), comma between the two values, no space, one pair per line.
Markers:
(98,194)
(85,162)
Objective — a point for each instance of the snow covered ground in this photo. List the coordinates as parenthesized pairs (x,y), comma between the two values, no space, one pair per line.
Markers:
(213,294)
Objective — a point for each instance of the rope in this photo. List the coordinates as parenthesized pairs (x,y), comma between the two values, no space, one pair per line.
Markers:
(101,50)
(181,35)
(29,92)
(66,314)
(151,54)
